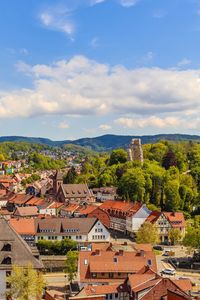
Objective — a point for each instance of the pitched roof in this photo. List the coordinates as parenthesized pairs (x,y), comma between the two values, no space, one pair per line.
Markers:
(55,205)
(23,226)
(84,210)
(117,205)
(175,218)
(61,225)
(153,217)
(183,284)
(112,261)
(20,253)
(26,211)
(20,199)
(71,207)
(80,190)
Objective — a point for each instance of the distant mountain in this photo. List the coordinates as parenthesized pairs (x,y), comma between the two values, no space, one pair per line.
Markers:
(103,143)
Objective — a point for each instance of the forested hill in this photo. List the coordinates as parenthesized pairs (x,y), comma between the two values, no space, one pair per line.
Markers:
(104,142)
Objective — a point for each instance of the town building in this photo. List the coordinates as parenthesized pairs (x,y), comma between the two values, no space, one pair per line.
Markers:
(71,193)
(82,230)
(126,217)
(165,221)
(110,265)
(103,194)
(13,251)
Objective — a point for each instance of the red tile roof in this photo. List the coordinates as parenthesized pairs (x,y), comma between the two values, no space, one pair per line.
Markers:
(153,217)
(183,284)
(112,261)
(23,226)
(175,218)
(86,209)
(117,205)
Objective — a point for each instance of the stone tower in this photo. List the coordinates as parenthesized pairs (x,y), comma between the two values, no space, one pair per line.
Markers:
(57,181)
(135,151)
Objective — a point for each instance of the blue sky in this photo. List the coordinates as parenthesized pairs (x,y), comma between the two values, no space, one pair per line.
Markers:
(77,68)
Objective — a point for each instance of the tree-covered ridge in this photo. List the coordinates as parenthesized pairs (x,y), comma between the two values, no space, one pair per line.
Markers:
(169,179)
(105,142)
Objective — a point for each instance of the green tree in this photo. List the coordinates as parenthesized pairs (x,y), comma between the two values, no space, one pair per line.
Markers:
(132,184)
(47,247)
(71,176)
(71,265)
(192,238)
(118,156)
(147,234)
(169,160)
(25,283)
(172,202)
(174,235)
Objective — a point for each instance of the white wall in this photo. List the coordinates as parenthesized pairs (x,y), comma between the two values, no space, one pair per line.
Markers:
(97,232)
(134,222)
(2,284)
(48,211)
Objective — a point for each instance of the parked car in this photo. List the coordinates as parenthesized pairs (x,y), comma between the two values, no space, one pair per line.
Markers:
(158,247)
(169,271)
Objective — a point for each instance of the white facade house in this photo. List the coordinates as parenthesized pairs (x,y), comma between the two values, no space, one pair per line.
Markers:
(134,221)
(81,230)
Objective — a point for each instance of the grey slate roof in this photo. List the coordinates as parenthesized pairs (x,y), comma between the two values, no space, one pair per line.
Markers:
(65,226)
(76,190)
(20,253)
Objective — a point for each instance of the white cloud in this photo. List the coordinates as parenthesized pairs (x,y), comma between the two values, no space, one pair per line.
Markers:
(159,14)
(128,3)
(94,2)
(58,19)
(159,122)
(184,62)
(24,51)
(63,125)
(94,42)
(81,86)
(105,127)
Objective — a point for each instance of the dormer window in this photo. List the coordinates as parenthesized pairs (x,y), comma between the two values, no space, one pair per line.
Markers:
(6,261)
(6,247)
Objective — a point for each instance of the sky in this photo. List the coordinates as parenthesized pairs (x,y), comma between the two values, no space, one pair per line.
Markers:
(84,68)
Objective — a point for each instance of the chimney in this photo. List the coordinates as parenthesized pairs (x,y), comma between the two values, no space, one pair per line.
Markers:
(142,253)
(121,252)
(97,252)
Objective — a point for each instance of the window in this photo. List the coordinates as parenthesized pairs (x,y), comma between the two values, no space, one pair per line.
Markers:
(110,275)
(149,262)
(6,261)
(94,275)
(116,295)
(6,247)
(110,297)
(115,259)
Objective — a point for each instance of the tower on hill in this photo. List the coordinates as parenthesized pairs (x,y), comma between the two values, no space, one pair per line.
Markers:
(135,151)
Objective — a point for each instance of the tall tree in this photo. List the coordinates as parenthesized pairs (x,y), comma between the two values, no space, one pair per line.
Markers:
(71,265)
(131,185)
(147,234)
(25,283)
(118,156)
(71,176)
(169,160)
(174,235)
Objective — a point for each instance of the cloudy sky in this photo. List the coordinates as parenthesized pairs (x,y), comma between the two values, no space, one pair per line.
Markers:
(77,68)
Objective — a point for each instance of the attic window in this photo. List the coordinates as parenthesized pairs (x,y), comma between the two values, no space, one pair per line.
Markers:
(6,261)
(6,247)
(149,262)
(115,259)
